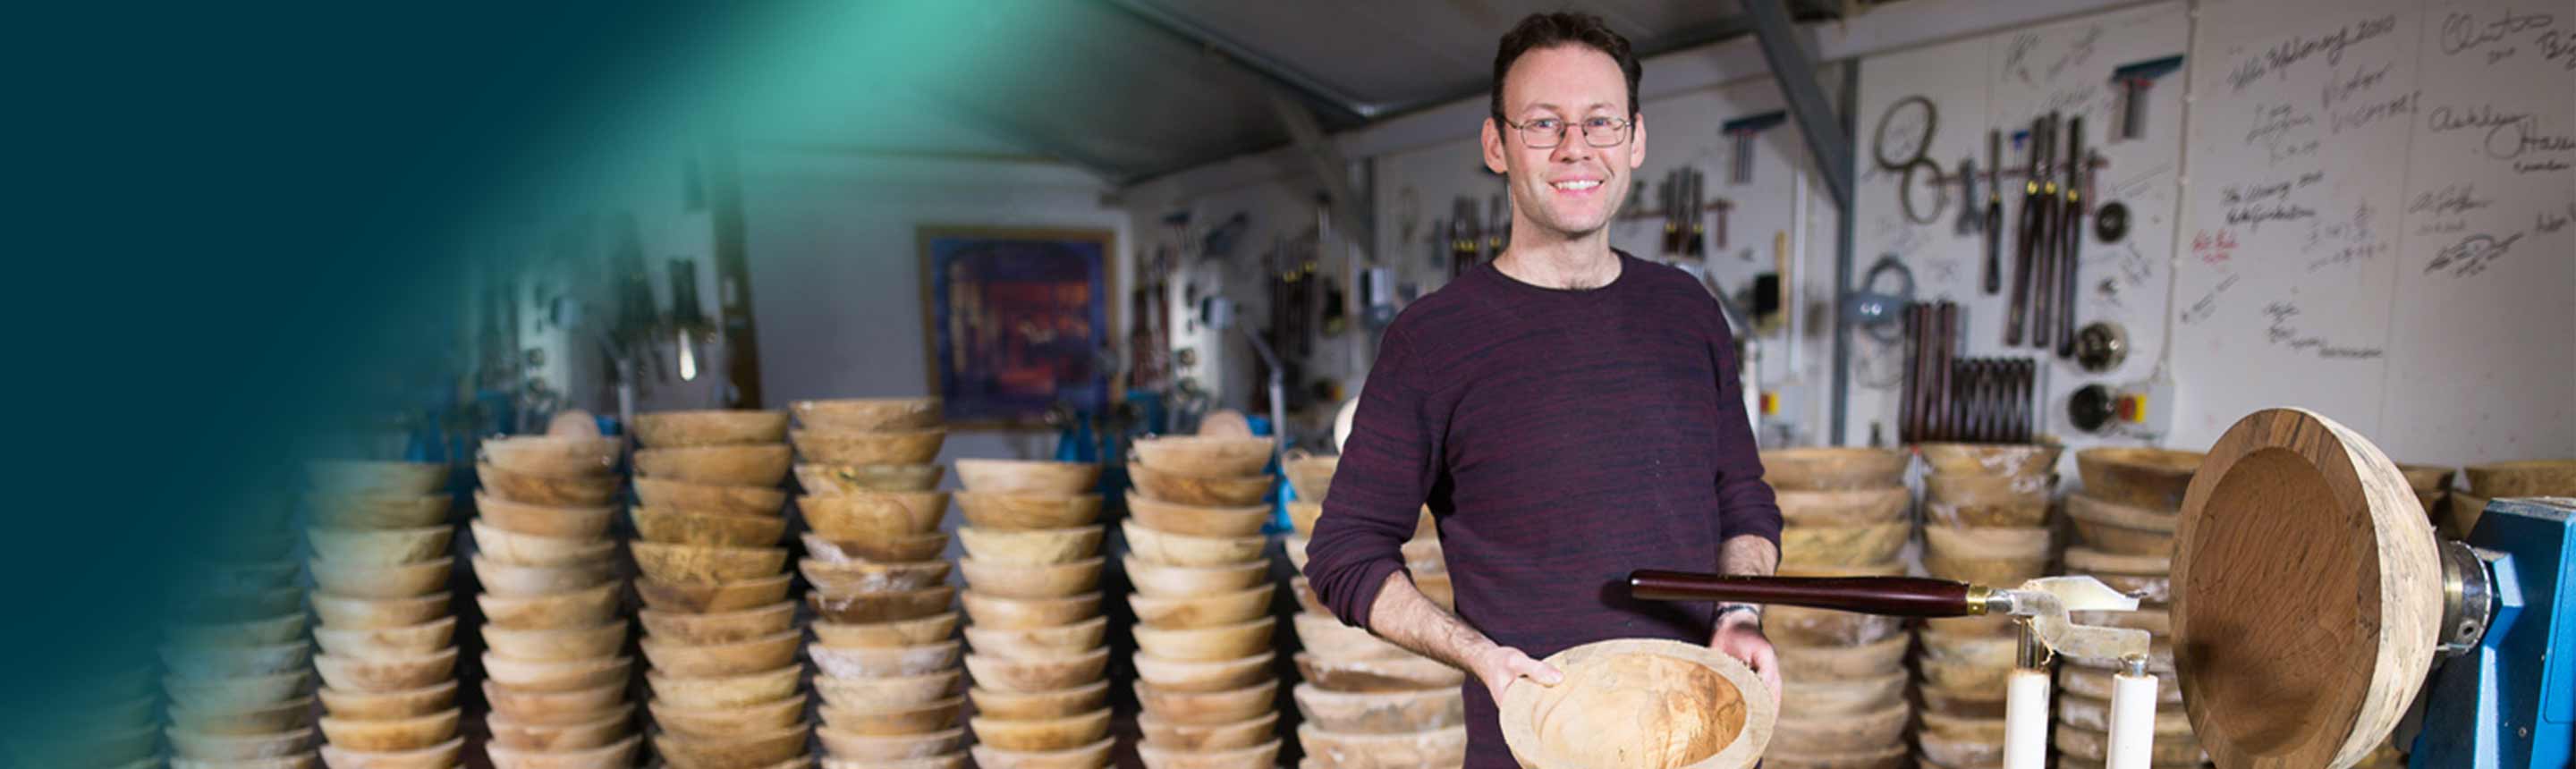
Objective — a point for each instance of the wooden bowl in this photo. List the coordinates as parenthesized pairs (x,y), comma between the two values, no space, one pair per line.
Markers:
(261,578)
(836,579)
(827,480)
(1820,546)
(1380,713)
(1259,756)
(2154,479)
(1031,547)
(1162,581)
(884,662)
(1664,703)
(1208,644)
(504,547)
(725,691)
(1834,699)
(399,479)
(1342,750)
(1991,459)
(2423,478)
(440,756)
(1879,758)
(845,746)
(725,427)
(1812,664)
(674,526)
(583,491)
(762,466)
(1310,475)
(1012,476)
(718,722)
(1798,625)
(1205,611)
(614,755)
(554,456)
(2079,742)
(910,632)
(388,736)
(380,547)
(378,511)
(1003,580)
(2528,478)
(847,414)
(1209,491)
(1988,542)
(888,692)
(534,676)
(1986,571)
(1039,643)
(381,643)
(2094,713)
(1987,500)
(995,511)
(1168,549)
(205,662)
(867,608)
(1302,516)
(236,693)
(2461,514)
(2122,529)
(189,745)
(1207,738)
(905,548)
(1197,520)
(1975,649)
(1325,636)
(700,565)
(719,627)
(240,607)
(709,498)
(370,706)
(2080,681)
(874,515)
(869,447)
(390,674)
(1855,507)
(1037,674)
(588,607)
(768,652)
(2086,560)
(1956,741)
(712,597)
(514,581)
(1203,456)
(1022,614)
(1092,756)
(910,719)
(1833,469)
(1040,705)
(606,729)
(572,522)
(1388,675)
(1207,708)
(264,719)
(1048,734)
(555,708)
(1203,675)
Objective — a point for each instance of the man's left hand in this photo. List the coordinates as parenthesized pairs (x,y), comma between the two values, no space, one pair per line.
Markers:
(1739,635)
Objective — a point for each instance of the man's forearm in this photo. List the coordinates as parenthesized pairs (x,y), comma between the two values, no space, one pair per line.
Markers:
(1747,555)
(1401,614)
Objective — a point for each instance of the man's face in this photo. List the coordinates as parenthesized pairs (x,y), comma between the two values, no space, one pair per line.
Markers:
(1572,188)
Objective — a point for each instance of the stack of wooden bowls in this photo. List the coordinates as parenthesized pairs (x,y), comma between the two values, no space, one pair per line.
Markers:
(1985,521)
(238,661)
(382,558)
(720,639)
(2127,513)
(1389,721)
(1847,513)
(2527,478)
(720,642)
(1196,558)
(884,645)
(1039,647)
(555,673)
(107,719)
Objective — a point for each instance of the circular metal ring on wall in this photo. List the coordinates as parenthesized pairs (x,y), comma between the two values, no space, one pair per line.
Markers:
(1905,192)
(1922,144)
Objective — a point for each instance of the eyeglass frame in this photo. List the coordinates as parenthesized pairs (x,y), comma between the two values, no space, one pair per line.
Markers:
(1625,134)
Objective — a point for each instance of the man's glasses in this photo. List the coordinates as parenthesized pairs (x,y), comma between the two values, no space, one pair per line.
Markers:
(1546,132)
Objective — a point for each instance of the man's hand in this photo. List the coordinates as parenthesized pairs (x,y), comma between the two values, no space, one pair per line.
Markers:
(1739,635)
(1498,666)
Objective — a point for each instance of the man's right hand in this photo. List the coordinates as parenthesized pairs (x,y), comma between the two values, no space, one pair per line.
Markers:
(1498,666)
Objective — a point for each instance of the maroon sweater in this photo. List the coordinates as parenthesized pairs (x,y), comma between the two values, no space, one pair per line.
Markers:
(1561,438)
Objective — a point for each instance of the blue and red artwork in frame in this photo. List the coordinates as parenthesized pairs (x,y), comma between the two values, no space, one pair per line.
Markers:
(1017,322)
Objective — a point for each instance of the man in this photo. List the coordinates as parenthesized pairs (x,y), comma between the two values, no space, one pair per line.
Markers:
(1569,413)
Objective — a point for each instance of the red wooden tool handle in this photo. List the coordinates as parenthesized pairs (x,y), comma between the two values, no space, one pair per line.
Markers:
(1889,596)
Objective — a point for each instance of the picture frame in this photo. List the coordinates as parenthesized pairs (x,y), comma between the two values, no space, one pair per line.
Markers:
(1016,320)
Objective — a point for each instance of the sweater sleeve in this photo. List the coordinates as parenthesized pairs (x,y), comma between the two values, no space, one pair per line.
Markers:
(1388,465)
(1745,504)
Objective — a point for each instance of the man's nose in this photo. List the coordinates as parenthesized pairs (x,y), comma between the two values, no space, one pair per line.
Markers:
(1572,148)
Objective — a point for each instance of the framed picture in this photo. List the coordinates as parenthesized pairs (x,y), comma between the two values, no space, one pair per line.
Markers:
(1017,321)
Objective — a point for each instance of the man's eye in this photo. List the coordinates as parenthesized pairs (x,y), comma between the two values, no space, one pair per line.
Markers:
(1598,122)
(1547,124)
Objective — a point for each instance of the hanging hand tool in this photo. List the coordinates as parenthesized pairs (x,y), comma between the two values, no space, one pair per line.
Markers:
(1498,224)
(2043,279)
(2026,238)
(1669,193)
(2071,233)
(1464,236)
(1994,224)
(2133,80)
(1742,133)
(1695,241)
(1971,215)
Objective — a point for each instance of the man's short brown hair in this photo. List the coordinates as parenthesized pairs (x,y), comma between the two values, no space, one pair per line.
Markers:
(1549,30)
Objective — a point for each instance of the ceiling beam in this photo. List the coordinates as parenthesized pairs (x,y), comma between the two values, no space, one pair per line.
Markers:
(1343,106)
(1830,146)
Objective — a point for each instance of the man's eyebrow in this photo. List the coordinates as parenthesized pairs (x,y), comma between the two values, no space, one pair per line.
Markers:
(1546,105)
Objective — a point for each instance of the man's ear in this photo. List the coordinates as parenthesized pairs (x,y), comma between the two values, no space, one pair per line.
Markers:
(1637,140)
(1492,137)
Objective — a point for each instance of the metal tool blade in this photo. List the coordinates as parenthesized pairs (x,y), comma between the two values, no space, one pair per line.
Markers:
(2047,602)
